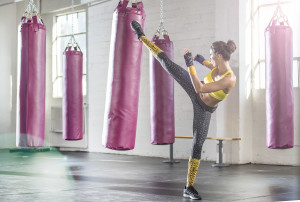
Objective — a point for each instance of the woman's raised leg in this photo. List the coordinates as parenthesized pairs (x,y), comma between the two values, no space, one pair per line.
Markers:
(178,73)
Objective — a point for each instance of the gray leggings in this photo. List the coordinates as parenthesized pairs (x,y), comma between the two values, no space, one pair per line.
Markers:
(202,112)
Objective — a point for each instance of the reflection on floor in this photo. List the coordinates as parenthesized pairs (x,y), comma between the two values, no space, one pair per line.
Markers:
(79,176)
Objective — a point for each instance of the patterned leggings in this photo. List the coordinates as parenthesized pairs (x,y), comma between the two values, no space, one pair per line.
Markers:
(202,112)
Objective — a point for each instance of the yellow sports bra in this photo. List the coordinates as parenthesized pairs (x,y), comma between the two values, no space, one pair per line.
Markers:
(219,95)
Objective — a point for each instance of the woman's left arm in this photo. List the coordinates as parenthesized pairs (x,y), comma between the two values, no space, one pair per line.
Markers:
(222,84)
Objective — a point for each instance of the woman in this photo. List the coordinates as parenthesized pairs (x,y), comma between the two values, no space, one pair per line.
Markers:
(204,96)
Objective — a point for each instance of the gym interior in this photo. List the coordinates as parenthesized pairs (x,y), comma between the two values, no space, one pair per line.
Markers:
(88,113)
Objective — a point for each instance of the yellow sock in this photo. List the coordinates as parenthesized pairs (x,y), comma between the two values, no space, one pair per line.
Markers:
(151,46)
(192,171)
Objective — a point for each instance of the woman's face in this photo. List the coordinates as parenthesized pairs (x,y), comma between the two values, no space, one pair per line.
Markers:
(213,57)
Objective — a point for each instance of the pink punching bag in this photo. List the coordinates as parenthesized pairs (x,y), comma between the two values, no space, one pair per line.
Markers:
(31,83)
(72,93)
(279,84)
(122,95)
(162,96)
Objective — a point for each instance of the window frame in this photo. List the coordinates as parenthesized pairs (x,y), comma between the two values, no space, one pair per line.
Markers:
(56,63)
(258,77)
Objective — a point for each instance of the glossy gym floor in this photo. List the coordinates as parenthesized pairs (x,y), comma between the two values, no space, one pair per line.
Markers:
(80,176)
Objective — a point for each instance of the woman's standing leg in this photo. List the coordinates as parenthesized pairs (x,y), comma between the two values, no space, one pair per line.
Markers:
(200,131)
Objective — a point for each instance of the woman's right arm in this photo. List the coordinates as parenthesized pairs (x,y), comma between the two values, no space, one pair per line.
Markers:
(201,60)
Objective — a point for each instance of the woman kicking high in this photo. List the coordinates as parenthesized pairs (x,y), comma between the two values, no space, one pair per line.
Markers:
(204,96)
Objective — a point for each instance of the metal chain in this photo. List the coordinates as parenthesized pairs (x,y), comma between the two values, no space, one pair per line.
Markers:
(72,40)
(161,28)
(38,5)
(39,11)
(31,10)
(73,18)
(161,11)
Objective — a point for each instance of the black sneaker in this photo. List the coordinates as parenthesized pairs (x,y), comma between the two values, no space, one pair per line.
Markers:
(191,192)
(136,27)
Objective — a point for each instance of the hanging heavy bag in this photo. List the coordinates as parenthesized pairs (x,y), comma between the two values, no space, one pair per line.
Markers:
(72,93)
(31,87)
(30,130)
(162,121)
(279,83)
(121,108)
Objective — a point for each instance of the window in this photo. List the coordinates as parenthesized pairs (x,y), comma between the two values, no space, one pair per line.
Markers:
(262,15)
(62,32)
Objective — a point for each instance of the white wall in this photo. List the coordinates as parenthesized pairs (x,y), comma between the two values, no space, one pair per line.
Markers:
(227,27)
(8,56)
(245,82)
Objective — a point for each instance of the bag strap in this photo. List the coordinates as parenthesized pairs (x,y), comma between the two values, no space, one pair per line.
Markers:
(166,37)
(140,5)
(23,19)
(155,37)
(123,5)
(35,24)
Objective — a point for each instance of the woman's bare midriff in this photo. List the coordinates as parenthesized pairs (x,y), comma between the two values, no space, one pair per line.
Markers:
(209,100)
